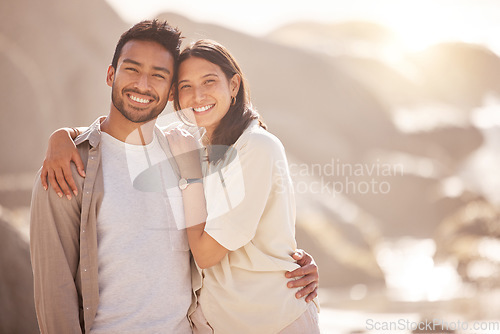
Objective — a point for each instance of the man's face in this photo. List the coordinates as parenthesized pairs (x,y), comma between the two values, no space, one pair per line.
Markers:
(141,81)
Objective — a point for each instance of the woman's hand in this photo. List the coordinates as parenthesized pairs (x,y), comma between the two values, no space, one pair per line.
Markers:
(56,166)
(309,274)
(185,149)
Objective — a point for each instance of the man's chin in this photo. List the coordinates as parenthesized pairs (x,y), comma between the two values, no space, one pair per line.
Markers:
(138,118)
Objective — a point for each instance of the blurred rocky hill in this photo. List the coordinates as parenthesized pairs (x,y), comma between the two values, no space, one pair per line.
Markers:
(349,93)
(17,310)
(341,96)
(53,57)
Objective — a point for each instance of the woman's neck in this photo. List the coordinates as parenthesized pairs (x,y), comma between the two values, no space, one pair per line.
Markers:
(209,133)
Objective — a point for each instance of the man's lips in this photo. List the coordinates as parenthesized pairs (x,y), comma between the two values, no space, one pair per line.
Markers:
(140,98)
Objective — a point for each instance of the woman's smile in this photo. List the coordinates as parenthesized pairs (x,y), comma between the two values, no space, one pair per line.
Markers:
(203,109)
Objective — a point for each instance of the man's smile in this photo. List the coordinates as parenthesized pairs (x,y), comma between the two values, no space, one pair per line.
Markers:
(140,99)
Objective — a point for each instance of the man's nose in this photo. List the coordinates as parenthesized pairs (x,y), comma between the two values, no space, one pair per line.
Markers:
(142,83)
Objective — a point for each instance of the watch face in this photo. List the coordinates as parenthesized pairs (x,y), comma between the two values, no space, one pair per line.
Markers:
(183,183)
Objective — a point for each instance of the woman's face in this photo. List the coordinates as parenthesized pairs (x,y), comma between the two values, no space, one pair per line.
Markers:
(204,87)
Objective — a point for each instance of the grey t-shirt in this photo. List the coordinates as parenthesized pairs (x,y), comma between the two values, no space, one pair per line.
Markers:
(144,269)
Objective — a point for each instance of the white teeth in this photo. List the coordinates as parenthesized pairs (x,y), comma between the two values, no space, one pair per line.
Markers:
(200,109)
(137,99)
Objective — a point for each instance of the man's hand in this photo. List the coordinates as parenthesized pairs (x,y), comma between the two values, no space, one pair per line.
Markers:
(309,274)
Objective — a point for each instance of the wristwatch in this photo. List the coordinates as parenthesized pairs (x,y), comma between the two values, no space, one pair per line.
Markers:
(183,183)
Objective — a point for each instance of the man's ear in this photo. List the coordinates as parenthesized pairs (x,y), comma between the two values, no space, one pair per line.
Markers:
(234,84)
(171,94)
(110,76)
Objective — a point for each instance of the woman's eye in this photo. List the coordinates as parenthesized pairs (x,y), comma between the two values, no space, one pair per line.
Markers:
(209,81)
(184,87)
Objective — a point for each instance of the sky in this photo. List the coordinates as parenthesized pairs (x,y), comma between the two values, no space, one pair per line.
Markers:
(418,22)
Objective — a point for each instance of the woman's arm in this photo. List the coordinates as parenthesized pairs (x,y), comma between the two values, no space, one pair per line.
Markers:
(206,251)
(56,166)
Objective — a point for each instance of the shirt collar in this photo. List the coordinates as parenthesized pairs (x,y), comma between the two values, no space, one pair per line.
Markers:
(92,134)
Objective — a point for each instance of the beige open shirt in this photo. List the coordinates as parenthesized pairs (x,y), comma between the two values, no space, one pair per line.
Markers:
(63,241)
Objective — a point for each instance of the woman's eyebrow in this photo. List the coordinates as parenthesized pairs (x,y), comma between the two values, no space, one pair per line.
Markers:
(206,75)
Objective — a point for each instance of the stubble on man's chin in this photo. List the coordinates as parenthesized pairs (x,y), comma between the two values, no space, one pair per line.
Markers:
(153,114)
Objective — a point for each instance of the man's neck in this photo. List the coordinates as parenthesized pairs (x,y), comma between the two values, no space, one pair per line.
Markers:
(116,125)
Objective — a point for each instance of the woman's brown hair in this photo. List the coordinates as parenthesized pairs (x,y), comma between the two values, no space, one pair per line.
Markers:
(240,114)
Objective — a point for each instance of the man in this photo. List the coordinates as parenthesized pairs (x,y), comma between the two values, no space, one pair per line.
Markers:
(117,261)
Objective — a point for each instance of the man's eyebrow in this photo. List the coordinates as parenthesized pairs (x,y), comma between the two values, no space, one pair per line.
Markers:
(156,68)
(206,75)
(162,69)
(130,61)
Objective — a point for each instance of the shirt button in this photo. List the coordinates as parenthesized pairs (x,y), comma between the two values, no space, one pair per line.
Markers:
(87,308)
(84,269)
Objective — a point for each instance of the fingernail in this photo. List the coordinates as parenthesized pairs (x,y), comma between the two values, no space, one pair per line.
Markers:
(68,196)
(83,172)
(308,301)
(59,194)
(75,192)
(289,284)
(45,187)
(287,274)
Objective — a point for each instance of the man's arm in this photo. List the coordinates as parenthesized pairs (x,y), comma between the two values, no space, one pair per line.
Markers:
(55,249)
(305,277)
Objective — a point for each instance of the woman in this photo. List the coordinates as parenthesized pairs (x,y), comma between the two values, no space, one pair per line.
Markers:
(243,236)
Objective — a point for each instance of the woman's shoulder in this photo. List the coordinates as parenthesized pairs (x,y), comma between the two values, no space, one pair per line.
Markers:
(257,138)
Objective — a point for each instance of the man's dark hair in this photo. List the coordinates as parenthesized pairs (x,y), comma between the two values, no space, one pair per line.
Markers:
(151,30)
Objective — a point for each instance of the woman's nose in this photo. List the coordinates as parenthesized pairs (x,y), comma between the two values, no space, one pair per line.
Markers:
(199,95)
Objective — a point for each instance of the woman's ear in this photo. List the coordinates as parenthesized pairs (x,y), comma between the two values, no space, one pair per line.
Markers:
(234,84)
(110,76)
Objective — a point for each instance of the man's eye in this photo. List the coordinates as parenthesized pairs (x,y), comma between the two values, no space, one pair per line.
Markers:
(159,76)
(209,81)
(131,69)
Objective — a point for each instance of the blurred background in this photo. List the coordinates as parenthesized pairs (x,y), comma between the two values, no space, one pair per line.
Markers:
(389,112)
